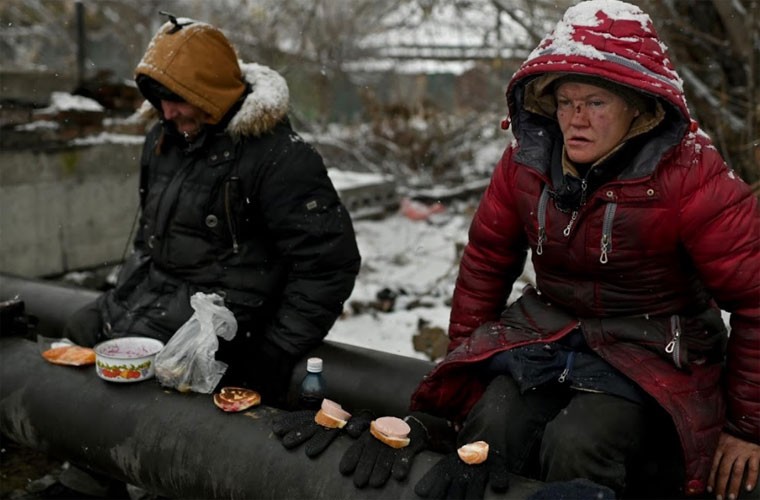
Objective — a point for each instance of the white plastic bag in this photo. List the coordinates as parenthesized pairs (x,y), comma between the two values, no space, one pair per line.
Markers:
(187,361)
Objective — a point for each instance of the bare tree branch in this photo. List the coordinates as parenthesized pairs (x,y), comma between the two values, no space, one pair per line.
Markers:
(734,18)
(704,92)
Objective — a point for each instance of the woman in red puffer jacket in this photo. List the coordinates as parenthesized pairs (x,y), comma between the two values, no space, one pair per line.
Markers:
(639,234)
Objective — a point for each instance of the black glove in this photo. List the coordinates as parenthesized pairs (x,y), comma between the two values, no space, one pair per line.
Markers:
(372,462)
(452,478)
(298,427)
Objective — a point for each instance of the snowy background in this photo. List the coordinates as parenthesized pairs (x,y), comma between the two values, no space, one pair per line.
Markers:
(418,260)
(413,253)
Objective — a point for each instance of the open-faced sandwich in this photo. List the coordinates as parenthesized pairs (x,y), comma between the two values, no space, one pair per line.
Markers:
(473,453)
(236,399)
(391,430)
(331,415)
(71,355)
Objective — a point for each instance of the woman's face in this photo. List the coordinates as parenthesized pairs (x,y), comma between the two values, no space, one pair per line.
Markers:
(593,120)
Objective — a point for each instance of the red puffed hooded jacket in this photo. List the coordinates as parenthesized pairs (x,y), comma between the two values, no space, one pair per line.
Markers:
(643,267)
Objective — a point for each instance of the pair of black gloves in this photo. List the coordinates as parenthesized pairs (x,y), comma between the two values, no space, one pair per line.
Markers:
(371,462)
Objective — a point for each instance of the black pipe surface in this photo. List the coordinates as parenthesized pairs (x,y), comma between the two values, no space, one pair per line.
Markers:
(177,445)
(180,445)
(51,303)
(356,377)
(173,444)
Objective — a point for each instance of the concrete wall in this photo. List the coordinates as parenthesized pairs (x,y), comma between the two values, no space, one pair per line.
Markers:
(66,209)
(73,208)
(33,86)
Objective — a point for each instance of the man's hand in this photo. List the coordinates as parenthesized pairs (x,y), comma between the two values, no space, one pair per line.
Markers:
(733,458)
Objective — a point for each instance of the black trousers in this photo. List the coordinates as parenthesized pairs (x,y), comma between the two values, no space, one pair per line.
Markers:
(555,433)
(85,326)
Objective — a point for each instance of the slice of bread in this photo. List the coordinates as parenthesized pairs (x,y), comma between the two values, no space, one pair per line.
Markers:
(326,420)
(334,409)
(392,441)
(233,399)
(473,453)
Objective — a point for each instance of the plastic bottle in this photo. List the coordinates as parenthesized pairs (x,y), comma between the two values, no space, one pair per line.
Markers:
(312,386)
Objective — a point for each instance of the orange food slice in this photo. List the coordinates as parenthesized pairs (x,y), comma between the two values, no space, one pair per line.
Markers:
(71,355)
(234,399)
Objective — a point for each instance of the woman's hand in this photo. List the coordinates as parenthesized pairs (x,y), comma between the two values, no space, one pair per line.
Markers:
(733,459)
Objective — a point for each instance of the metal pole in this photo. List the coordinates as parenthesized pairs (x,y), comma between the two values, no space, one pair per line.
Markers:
(81,40)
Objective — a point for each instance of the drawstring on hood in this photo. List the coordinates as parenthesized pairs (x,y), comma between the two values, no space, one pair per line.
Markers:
(173,19)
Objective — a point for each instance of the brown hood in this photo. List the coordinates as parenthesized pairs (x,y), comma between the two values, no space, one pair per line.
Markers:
(196,62)
(263,107)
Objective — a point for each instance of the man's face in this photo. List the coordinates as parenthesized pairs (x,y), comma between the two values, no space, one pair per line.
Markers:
(593,120)
(187,118)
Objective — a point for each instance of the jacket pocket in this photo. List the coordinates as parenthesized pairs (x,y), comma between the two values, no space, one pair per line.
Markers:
(674,347)
(530,318)
(683,340)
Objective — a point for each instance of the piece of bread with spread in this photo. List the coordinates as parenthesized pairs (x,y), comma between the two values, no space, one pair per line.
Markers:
(234,399)
(331,415)
(391,430)
(71,355)
(473,453)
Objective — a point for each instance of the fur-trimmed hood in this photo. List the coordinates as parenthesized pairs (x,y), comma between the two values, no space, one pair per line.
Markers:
(266,104)
(263,107)
(195,61)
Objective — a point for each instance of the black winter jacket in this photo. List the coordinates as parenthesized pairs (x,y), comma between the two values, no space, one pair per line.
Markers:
(252,217)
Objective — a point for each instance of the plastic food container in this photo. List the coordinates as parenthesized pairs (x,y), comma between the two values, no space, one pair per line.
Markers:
(127,359)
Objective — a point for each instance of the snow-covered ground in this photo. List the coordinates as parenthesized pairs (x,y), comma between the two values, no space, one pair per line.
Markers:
(411,256)
(417,259)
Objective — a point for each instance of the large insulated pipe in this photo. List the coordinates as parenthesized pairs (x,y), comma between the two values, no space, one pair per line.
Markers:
(173,444)
(353,374)
(181,445)
(48,301)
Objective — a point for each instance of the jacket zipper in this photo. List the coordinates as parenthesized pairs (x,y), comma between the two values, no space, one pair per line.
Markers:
(674,346)
(228,212)
(541,215)
(574,215)
(606,243)
(568,366)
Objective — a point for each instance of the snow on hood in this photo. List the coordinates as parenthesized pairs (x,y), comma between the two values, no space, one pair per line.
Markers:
(610,39)
(266,104)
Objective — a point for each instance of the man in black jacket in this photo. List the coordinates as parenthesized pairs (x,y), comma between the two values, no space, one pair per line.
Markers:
(233,202)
